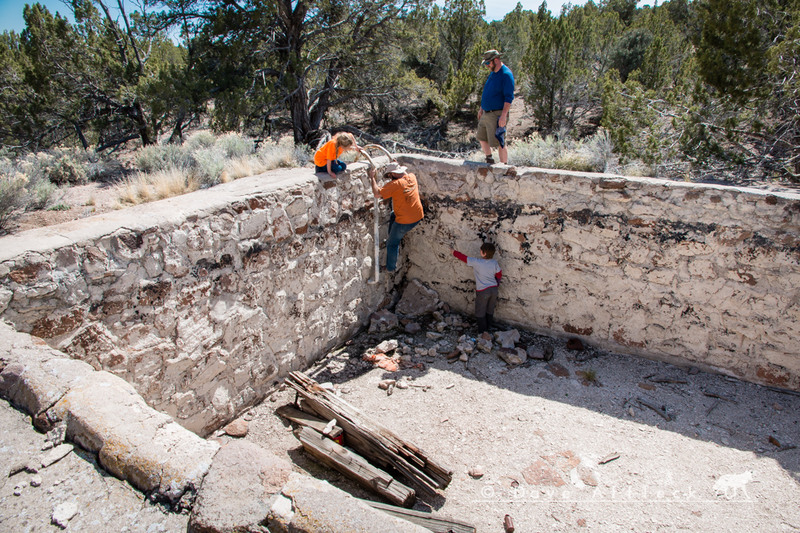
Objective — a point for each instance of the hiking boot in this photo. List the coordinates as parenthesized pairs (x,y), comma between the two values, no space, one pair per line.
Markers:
(490,160)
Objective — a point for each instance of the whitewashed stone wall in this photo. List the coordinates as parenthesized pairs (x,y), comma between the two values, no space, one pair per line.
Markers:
(702,274)
(202,301)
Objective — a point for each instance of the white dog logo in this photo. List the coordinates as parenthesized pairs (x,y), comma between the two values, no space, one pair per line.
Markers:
(729,485)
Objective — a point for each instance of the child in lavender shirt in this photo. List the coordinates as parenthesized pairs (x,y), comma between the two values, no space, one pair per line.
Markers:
(487,278)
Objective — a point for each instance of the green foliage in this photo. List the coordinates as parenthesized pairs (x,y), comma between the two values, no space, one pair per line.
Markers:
(209,163)
(40,194)
(234,145)
(100,81)
(552,65)
(206,160)
(709,86)
(155,158)
(263,60)
(624,9)
(732,44)
(513,34)
(643,126)
(748,123)
(25,184)
(445,55)
(201,139)
(629,52)
(460,30)
(461,84)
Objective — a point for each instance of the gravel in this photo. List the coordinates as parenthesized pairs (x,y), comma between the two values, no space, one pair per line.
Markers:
(582,441)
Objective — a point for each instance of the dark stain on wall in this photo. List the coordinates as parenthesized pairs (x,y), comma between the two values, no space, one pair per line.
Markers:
(665,231)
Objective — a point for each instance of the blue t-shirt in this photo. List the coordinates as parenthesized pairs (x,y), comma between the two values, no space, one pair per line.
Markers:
(498,89)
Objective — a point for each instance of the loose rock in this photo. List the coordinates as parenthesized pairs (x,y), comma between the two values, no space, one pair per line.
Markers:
(56,454)
(417,300)
(476,472)
(484,345)
(56,436)
(513,356)
(382,320)
(386,383)
(413,327)
(507,339)
(387,346)
(543,354)
(237,428)
(63,513)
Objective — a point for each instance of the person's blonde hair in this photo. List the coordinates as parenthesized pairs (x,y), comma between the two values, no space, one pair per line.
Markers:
(344,140)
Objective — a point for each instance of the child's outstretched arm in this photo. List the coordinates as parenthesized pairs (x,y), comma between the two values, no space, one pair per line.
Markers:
(459,255)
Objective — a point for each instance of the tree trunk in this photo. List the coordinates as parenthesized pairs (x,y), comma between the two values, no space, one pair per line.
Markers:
(81,137)
(177,132)
(301,123)
(323,102)
(141,123)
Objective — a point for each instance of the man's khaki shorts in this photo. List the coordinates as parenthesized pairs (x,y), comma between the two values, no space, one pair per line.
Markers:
(487,126)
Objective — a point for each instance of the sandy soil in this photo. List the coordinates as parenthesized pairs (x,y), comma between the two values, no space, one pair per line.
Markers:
(530,441)
(82,201)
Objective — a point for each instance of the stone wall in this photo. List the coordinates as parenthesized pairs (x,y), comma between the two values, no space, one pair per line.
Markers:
(689,273)
(203,301)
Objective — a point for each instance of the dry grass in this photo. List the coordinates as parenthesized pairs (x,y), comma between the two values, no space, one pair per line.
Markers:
(232,159)
(143,188)
(240,167)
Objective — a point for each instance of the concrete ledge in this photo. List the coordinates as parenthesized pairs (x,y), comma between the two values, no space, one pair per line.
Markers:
(307,505)
(239,489)
(104,415)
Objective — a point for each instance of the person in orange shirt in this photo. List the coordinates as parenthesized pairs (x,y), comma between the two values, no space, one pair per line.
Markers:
(406,207)
(326,159)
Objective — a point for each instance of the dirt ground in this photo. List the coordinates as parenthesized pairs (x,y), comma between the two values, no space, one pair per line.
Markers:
(570,444)
(81,200)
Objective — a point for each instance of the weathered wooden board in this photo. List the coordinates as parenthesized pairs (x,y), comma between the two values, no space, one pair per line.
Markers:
(369,438)
(355,467)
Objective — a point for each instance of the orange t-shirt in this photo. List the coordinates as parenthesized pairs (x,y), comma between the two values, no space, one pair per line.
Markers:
(327,152)
(404,193)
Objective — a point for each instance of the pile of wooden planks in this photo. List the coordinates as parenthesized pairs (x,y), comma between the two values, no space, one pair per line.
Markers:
(366,439)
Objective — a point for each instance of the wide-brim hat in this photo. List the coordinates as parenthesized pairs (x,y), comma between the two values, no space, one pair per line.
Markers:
(488,55)
(395,168)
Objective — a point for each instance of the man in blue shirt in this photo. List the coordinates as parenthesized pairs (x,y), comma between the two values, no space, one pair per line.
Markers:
(498,93)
